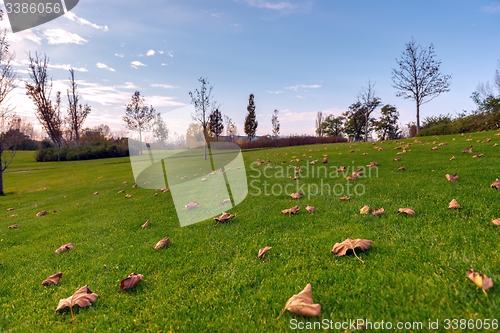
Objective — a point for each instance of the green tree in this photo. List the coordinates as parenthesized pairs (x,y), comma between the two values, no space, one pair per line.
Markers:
(354,122)
(276,124)
(216,123)
(160,130)
(387,125)
(333,126)
(251,122)
(419,77)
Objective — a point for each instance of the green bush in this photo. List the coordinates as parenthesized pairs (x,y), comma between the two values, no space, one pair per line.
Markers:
(82,153)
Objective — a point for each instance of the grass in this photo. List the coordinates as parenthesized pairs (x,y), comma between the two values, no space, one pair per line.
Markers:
(210,279)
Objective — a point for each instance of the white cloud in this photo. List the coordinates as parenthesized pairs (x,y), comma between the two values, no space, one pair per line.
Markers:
(60,36)
(299,96)
(119,55)
(71,16)
(127,85)
(67,67)
(161,52)
(150,53)
(280,5)
(274,92)
(104,66)
(164,64)
(303,87)
(170,53)
(494,8)
(20,36)
(159,85)
(136,64)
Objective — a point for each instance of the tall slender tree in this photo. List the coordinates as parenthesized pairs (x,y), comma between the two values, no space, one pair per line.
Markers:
(216,123)
(138,116)
(77,113)
(39,90)
(319,122)
(203,103)
(276,124)
(418,76)
(251,122)
(369,102)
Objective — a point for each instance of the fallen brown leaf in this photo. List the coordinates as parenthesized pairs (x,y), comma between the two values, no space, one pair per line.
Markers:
(291,211)
(340,249)
(452,158)
(162,243)
(14,226)
(121,191)
(372,164)
(365,210)
(65,247)
(452,178)
(96,193)
(342,168)
(134,186)
(223,202)
(42,213)
(10,209)
(165,190)
(147,223)
(407,211)
(131,281)
(468,150)
(53,279)
(191,205)
(301,304)
(310,209)
(378,211)
(224,217)
(263,251)
(453,204)
(344,198)
(477,156)
(401,168)
(480,280)
(496,184)
(496,221)
(296,195)
(397,159)
(325,160)
(435,148)
(83,297)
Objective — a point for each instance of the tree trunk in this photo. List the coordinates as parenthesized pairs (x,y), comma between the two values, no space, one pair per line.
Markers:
(1,179)
(418,117)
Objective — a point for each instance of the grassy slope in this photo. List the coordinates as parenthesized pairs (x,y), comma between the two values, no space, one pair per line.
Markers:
(210,278)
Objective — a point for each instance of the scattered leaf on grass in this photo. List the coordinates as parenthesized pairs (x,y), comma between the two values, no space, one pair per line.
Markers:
(291,211)
(435,148)
(83,297)
(301,304)
(477,156)
(365,210)
(225,201)
(407,211)
(496,221)
(13,215)
(310,209)
(263,251)
(344,198)
(53,279)
(452,178)
(296,195)
(396,159)
(453,204)
(224,217)
(468,150)
(131,281)
(14,226)
(164,190)
(355,174)
(10,209)
(496,184)
(163,243)
(372,164)
(342,168)
(480,280)
(42,213)
(340,249)
(452,158)
(378,211)
(191,205)
(401,168)
(65,247)
(145,224)
(134,186)
(96,193)
(121,191)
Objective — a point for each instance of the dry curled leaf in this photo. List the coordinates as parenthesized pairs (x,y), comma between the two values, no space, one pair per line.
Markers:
(480,280)
(128,196)
(291,211)
(468,150)
(372,164)
(10,209)
(301,304)
(397,159)
(325,160)
(453,204)
(131,281)
(65,247)
(342,168)
(340,249)
(344,198)
(310,209)
(223,202)
(452,158)
(191,205)
(134,186)
(477,156)
(42,213)
(53,279)
(147,223)
(224,217)
(14,226)
(401,168)
(165,190)
(162,243)
(365,210)
(378,211)
(407,211)
(263,251)
(435,148)
(96,193)
(496,184)
(83,297)
(496,221)
(296,195)
(452,178)
(121,191)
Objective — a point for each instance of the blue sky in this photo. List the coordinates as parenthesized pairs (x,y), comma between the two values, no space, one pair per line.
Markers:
(299,57)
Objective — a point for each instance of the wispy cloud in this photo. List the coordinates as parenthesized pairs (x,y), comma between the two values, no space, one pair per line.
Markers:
(61,36)
(136,64)
(150,53)
(493,8)
(104,66)
(303,87)
(127,85)
(165,86)
(67,67)
(274,5)
(275,92)
(71,16)
(213,13)
(119,55)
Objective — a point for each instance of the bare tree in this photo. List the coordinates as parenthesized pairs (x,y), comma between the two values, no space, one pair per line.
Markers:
(48,113)
(418,76)
(138,116)
(369,103)
(160,130)
(231,128)
(216,123)
(276,124)
(77,113)
(319,122)
(8,80)
(203,103)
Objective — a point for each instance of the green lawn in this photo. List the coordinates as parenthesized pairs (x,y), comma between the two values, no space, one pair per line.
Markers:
(210,279)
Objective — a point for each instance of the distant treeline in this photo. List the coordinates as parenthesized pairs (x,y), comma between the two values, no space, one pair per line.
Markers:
(293,140)
(447,124)
(89,152)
